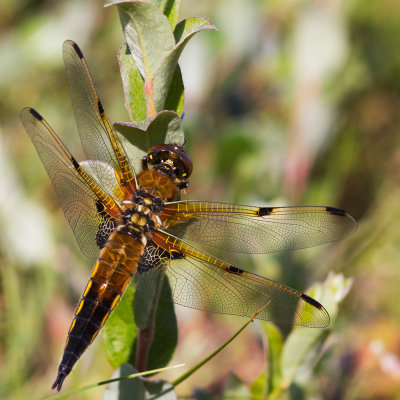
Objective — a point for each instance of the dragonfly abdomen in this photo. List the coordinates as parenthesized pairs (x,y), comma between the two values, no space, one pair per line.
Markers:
(111,275)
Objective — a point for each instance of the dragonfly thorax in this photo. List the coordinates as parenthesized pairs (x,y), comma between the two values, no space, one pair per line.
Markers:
(140,215)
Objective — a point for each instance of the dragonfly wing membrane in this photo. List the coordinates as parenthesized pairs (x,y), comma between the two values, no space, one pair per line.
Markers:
(97,135)
(257,230)
(204,282)
(80,203)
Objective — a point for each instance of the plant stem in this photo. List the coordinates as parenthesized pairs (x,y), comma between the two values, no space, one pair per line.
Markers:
(145,337)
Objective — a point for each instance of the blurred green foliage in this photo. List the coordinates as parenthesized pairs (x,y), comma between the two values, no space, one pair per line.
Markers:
(287,103)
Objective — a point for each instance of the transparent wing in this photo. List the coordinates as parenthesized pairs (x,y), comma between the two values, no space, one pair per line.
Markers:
(201,281)
(98,137)
(87,208)
(246,229)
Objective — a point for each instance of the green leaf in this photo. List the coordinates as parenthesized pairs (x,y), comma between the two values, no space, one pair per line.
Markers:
(160,390)
(235,388)
(165,329)
(146,298)
(126,389)
(304,345)
(120,331)
(170,9)
(188,27)
(148,34)
(176,93)
(149,62)
(301,351)
(259,386)
(133,84)
(163,76)
(275,344)
(164,127)
(136,388)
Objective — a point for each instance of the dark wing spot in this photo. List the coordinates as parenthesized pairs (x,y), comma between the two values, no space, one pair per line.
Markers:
(311,301)
(234,270)
(75,163)
(336,211)
(35,114)
(78,50)
(265,211)
(100,207)
(100,107)
(176,255)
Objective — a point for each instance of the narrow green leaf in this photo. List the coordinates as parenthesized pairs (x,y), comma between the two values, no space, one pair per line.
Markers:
(215,352)
(119,378)
(148,34)
(120,331)
(133,84)
(164,127)
(136,388)
(163,76)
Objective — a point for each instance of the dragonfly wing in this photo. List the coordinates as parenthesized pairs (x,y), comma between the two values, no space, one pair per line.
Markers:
(87,208)
(246,229)
(98,137)
(204,282)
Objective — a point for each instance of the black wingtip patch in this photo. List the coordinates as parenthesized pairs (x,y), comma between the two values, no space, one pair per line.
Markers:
(336,211)
(234,270)
(35,114)
(311,301)
(77,50)
(100,107)
(265,211)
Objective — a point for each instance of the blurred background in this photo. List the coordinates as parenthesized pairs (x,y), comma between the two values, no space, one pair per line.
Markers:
(288,103)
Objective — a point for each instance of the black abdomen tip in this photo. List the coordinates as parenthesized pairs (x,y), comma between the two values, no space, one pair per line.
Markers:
(59,381)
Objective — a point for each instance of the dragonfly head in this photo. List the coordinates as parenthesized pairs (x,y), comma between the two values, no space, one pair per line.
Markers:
(172,160)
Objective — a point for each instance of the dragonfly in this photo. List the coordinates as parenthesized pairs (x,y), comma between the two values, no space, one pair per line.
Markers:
(134,224)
